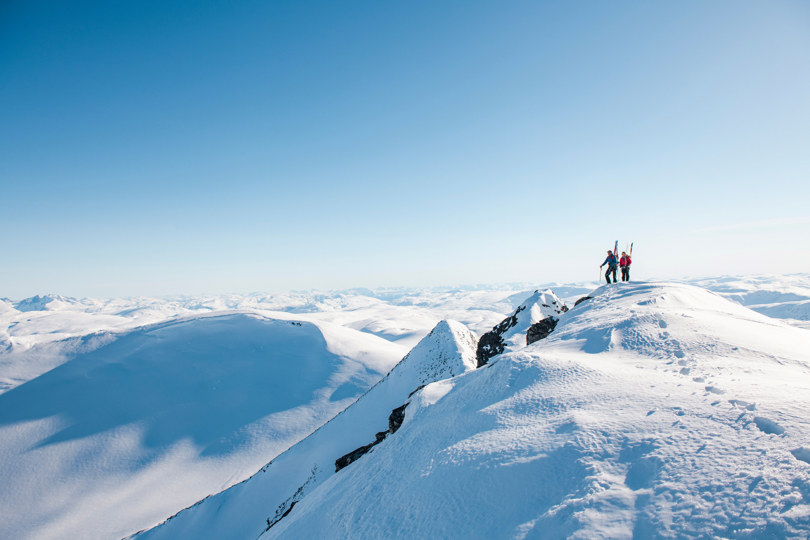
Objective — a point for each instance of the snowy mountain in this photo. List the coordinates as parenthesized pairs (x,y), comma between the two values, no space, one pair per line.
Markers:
(50,302)
(650,410)
(448,350)
(135,425)
(79,458)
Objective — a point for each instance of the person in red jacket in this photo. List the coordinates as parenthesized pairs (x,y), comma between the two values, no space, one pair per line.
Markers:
(624,264)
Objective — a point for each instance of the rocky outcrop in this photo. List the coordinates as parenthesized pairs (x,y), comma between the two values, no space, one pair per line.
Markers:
(354,455)
(510,331)
(395,420)
(540,330)
(492,343)
(578,302)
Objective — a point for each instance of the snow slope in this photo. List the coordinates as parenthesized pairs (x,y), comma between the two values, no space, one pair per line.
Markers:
(652,410)
(46,335)
(248,508)
(135,425)
(784,297)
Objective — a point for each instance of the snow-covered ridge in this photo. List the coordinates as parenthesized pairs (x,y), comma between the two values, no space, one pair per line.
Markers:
(651,410)
(404,315)
(259,503)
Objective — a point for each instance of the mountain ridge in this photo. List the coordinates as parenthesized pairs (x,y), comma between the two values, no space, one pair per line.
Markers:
(447,350)
(598,430)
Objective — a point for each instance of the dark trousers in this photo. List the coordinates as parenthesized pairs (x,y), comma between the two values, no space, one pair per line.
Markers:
(625,273)
(611,269)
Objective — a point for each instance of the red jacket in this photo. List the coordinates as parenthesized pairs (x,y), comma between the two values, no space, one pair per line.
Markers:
(625,261)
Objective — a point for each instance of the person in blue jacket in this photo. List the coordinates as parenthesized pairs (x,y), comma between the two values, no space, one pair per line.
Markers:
(612,263)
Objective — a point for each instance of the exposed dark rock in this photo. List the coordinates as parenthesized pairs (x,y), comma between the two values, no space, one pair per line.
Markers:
(558,308)
(540,330)
(286,507)
(271,523)
(289,509)
(395,420)
(416,390)
(578,302)
(354,455)
(491,344)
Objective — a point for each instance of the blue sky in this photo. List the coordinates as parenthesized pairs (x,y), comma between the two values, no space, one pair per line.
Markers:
(187,147)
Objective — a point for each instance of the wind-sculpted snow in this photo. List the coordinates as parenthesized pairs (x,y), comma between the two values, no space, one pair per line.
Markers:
(266,499)
(138,425)
(652,410)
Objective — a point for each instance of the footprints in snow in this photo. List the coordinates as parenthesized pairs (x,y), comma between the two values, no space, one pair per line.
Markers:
(802,454)
(672,344)
(642,468)
(765,425)
(743,404)
(685,369)
(768,426)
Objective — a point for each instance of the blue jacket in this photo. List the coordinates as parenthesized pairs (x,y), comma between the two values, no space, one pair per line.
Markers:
(610,261)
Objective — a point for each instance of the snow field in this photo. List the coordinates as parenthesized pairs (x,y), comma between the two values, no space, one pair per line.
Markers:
(655,409)
(124,434)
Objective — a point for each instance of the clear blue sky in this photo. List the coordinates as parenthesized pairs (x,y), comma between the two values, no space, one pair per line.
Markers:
(159,147)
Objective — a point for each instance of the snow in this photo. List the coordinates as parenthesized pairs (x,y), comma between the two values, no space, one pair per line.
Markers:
(435,391)
(783,297)
(653,409)
(245,509)
(181,409)
(535,308)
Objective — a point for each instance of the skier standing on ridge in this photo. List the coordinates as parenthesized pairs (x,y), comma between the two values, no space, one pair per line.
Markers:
(624,264)
(612,263)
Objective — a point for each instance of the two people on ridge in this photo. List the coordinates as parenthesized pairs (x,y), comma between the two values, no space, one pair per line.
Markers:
(612,263)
